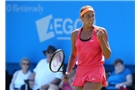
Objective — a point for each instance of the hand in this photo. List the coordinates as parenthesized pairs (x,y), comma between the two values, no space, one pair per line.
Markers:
(44,87)
(117,86)
(100,34)
(31,83)
(66,77)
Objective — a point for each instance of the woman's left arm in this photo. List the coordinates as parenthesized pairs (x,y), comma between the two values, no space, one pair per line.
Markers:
(103,40)
(128,82)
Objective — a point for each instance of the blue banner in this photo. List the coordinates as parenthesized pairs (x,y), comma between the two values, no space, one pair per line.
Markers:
(33,25)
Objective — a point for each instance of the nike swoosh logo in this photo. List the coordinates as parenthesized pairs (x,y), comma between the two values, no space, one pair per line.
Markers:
(93,78)
(91,40)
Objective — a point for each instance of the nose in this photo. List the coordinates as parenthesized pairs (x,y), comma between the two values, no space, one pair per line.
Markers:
(92,19)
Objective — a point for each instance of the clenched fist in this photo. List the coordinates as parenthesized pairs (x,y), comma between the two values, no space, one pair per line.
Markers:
(66,77)
(100,34)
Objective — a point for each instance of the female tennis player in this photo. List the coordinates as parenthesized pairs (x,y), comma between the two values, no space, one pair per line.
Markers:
(90,45)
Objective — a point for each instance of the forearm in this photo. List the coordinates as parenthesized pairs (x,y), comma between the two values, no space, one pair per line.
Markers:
(31,81)
(56,81)
(11,87)
(105,49)
(126,83)
(71,63)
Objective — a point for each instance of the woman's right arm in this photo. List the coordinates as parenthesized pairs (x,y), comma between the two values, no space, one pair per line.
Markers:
(72,59)
(11,87)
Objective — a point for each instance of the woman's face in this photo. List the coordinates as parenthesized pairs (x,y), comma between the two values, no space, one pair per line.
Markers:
(49,55)
(119,67)
(25,65)
(88,18)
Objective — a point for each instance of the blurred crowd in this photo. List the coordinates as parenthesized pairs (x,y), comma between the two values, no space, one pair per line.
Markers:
(42,78)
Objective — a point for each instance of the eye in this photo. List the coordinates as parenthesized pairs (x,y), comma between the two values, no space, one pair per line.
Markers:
(87,16)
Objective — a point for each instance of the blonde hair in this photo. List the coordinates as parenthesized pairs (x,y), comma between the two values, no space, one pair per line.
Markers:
(25,59)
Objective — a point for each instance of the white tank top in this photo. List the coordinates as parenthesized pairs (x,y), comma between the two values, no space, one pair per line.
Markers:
(19,81)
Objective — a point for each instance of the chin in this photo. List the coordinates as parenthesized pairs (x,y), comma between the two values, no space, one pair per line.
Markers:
(48,60)
(119,71)
(90,25)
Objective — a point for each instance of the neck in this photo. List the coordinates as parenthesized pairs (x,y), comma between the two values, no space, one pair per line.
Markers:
(25,71)
(48,60)
(116,72)
(87,28)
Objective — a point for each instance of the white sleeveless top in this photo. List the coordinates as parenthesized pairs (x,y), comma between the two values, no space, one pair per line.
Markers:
(19,78)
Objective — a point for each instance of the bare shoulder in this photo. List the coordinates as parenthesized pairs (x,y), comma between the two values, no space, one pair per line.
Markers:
(75,32)
(16,72)
(100,28)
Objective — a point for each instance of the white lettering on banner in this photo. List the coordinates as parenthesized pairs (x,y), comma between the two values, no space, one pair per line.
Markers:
(76,23)
(24,8)
(42,28)
(57,24)
(68,20)
(8,7)
(61,28)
